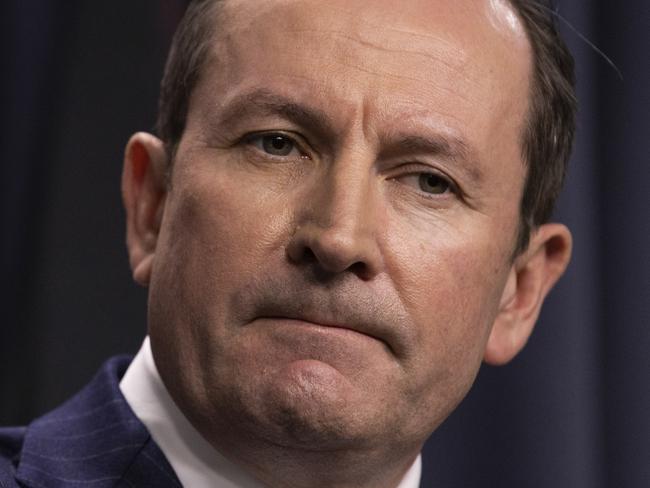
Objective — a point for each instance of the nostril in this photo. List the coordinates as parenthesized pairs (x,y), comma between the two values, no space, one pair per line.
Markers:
(359,268)
(333,250)
(298,252)
(308,256)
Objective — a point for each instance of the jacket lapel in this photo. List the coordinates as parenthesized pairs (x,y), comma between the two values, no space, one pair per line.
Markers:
(94,439)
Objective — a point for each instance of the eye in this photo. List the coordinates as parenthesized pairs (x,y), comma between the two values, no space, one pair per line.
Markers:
(433,183)
(428,183)
(275,144)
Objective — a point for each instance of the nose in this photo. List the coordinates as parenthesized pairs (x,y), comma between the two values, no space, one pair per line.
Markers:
(336,226)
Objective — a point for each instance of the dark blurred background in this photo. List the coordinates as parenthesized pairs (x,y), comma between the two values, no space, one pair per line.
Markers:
(573,410)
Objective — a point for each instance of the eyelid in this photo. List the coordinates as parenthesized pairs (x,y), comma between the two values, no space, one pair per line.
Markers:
(298,141)
(413,169)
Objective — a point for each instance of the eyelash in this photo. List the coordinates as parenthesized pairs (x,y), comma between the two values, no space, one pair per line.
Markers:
(411,169)
(416,170)
(250,139)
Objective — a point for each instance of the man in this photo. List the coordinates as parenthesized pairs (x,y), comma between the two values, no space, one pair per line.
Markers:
(344,213)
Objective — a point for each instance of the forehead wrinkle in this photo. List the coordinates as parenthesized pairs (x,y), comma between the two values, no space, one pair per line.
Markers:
(267,102)
(395,76)
(500,14)
(381,26)
(455,62)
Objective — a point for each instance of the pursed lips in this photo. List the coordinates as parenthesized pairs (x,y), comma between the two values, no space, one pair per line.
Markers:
(327,321)
(374,312)
(321,323)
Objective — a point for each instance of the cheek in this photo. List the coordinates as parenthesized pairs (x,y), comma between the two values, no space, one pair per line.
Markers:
(215,236)
(220,223)
(451,285)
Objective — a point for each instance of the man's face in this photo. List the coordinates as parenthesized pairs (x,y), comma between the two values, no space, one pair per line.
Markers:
(342,212)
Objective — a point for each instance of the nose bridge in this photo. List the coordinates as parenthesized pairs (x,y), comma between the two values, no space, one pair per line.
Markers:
(343,203)
(336,224)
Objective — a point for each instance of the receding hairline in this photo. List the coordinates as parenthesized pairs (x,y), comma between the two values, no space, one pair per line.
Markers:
(545,138)
(218,26)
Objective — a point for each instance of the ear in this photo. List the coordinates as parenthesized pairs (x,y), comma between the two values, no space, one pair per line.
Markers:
(143,194)
(531,277)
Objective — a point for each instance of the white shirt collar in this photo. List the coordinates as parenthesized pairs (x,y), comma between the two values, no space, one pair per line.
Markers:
(194,460)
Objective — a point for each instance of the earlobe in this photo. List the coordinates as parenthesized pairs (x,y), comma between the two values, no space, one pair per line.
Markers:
(143,194)
(531,277)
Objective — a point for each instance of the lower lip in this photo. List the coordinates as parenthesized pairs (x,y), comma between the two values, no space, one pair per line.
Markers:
(299,342)
(318,332)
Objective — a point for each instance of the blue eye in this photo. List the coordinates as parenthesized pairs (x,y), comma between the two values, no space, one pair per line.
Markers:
(432,183)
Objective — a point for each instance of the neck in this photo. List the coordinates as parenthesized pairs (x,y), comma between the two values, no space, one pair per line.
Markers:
(280,466)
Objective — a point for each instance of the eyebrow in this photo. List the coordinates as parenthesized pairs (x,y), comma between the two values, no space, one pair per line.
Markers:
(264,102)
(444,146)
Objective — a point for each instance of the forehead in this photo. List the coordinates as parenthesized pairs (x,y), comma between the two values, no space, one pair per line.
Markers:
(452,32)
(463,65)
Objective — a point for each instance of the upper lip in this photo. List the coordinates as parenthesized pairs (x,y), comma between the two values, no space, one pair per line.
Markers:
(318,319)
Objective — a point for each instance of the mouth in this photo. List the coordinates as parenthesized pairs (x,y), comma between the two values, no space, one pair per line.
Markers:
(325,327)
(342,312)
(316,322)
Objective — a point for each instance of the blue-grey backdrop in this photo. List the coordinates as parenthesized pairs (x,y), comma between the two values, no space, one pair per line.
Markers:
(573,410)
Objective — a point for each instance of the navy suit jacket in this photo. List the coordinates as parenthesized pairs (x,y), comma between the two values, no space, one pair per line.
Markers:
(92,440)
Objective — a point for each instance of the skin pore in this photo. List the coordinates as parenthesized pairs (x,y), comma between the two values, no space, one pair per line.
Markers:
(332,258)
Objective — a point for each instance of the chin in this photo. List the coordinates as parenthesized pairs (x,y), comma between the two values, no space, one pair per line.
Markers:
(308,403)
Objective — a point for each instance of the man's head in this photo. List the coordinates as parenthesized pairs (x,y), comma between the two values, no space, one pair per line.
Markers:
(546,141)
(332,258)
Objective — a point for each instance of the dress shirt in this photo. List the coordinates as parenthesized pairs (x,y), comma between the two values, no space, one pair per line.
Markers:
(196,463)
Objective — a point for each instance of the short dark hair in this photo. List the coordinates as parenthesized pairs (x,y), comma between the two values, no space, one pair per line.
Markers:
(187,54)
(550,126)
(547,138)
